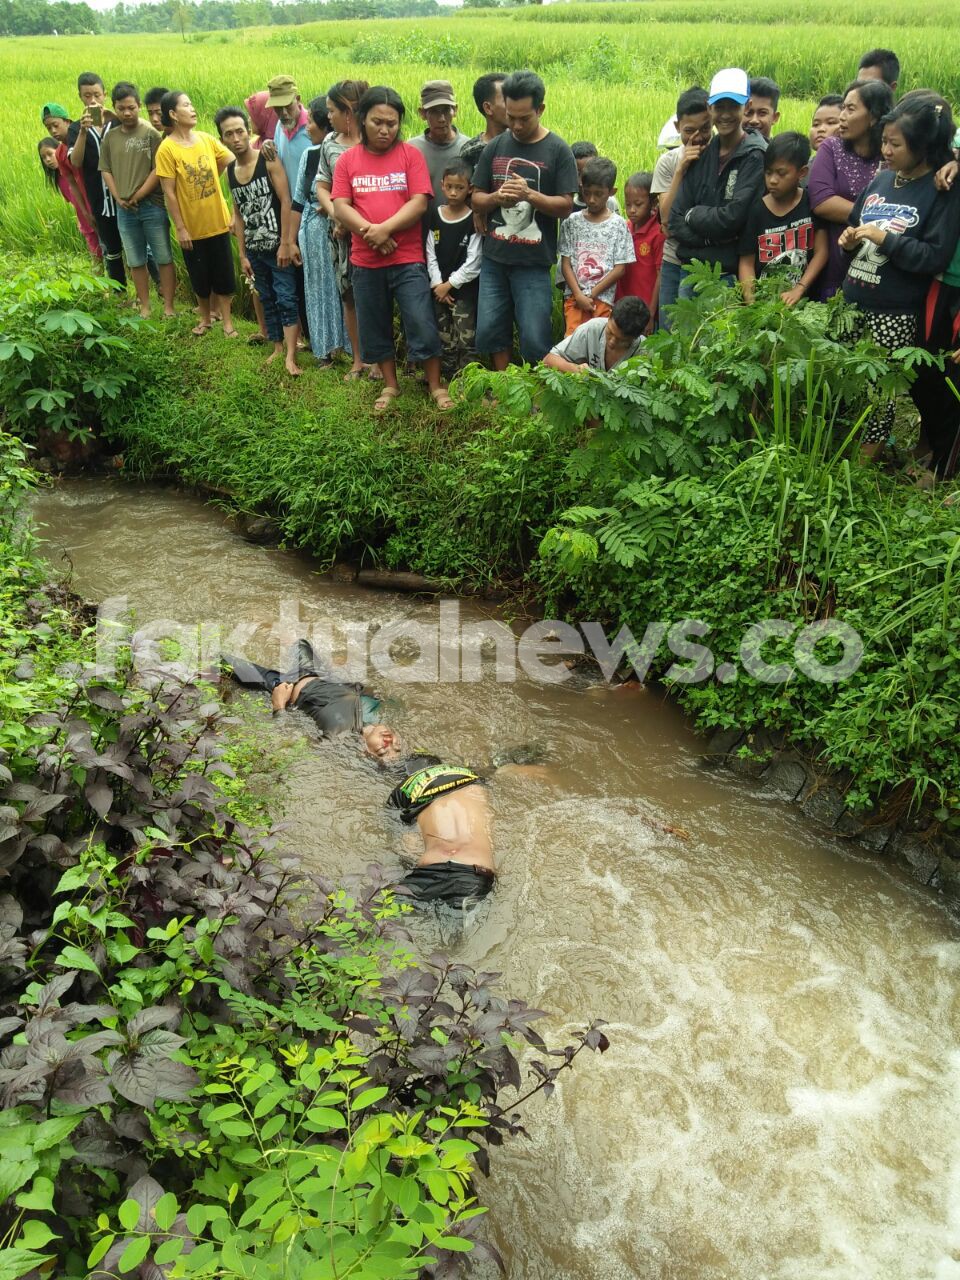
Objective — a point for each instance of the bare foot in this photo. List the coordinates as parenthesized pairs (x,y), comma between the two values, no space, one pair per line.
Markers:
(292,368)
(277,351)
(169,315)
(144,313)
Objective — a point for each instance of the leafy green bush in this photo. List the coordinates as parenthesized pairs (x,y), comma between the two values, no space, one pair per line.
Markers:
(64,349)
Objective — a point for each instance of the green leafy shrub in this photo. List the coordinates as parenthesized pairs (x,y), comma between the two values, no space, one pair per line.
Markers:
(65,349)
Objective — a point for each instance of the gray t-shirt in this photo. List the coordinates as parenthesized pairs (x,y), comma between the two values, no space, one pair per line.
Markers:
(587,343)
(438,156)
(594,249)
(663,172)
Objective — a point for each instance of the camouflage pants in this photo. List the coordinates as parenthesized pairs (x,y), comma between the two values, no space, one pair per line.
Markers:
(458,330)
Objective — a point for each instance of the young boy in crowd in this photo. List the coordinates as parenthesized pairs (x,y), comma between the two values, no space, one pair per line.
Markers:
(454,252)
(441,141)
(762,111)
(151,102)
(780,234)
(84,138)
(641,279)
(603,342)
(694,130)
(826,119)
(127,165)
(582,153)
(595,247)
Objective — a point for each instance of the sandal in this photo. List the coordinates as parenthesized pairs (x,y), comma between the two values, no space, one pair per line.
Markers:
(354,375)
(199,330)
(441,398)
(256,340)
(230,333)
(385,399)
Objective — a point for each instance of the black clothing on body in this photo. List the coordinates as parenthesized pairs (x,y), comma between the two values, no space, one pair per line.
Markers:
(714,201)
(258,205)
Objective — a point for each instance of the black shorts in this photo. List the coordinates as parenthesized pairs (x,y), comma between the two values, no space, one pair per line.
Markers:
(454,883)
(210,266)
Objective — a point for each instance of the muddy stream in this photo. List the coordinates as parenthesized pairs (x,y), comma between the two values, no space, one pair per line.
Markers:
(781,1100)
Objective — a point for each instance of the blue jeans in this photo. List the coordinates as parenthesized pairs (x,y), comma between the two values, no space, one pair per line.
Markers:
(375,289)
(515,294)
(145,227)
(686,289)
(277,290)
(671,273)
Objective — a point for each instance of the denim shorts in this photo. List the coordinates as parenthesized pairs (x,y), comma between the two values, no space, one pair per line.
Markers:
(375,289)
(148,224)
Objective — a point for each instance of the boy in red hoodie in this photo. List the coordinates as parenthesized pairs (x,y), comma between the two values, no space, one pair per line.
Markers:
(641,279)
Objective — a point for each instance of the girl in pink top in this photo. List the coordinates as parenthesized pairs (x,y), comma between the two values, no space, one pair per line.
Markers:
(58,176)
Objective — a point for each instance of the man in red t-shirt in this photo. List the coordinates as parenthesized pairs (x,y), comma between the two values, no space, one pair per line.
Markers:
(641,279)
(380,192)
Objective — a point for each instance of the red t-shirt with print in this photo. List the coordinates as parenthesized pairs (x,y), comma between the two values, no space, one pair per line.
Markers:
(379,185)
(640,277)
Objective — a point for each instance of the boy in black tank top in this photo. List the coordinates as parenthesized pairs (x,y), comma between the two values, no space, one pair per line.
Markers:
(453,267)
(261,223)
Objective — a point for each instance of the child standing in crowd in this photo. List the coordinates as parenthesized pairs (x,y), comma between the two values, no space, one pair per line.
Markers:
(83,151)
(902,232)
(151,103)
(189,164)
(127,159)
(780,235)
(595,247)
(57,124)
(380,192)
(261,205)
(844,165)
(453,267)
(309,227)
(762,111)
(641,278)
(583,152)
(343,99)
(48,147)
(694,130)
(826,120)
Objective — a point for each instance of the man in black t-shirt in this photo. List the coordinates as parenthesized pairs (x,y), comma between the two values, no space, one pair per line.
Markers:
(83,152)
(524,183)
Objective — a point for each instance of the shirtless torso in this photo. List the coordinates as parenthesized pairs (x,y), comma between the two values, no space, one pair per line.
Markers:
(456,827)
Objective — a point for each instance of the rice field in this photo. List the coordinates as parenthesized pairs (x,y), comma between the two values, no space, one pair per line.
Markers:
(612,70)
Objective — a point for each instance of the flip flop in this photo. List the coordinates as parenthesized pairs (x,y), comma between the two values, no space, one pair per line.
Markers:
(256,340)
(231,333)
(441,398)
(384,401)
(199,330)
(354,375)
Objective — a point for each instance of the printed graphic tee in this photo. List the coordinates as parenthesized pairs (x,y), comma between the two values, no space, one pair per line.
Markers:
(921,226)
(522,237)
(378,186)
(780,242)
(259,209)
(194,170)
(129,157)
(594,249)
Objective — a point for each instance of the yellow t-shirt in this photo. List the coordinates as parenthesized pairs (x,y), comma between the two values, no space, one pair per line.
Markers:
(202,206)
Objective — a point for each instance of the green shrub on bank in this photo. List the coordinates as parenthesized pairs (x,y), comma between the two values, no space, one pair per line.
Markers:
(65,349)
(465,496)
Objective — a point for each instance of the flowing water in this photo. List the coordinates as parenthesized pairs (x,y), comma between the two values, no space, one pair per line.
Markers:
(781,1100)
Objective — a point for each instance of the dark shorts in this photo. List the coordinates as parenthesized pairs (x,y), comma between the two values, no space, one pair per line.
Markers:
(453,883)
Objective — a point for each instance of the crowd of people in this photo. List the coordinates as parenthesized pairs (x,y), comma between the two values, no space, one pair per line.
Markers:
(339,221)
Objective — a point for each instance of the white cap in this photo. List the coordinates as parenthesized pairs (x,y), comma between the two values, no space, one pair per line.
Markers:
(730,83)
(669,137)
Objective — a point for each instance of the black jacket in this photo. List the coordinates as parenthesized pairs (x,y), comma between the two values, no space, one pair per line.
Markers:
(711,207)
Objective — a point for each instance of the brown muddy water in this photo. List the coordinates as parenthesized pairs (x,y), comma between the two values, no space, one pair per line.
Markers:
(781,1100)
